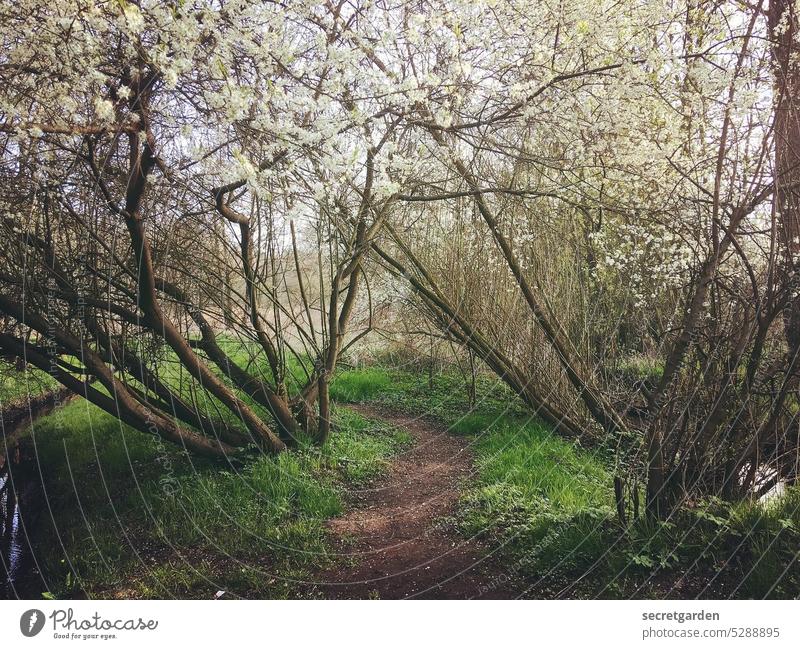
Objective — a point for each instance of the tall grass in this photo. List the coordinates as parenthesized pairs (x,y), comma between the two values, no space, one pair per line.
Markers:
(361,385)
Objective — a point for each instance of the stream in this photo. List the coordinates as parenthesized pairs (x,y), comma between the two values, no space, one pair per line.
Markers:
(21,498)
(20,505)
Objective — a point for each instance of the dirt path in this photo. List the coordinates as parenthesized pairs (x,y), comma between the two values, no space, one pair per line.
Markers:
(395,542)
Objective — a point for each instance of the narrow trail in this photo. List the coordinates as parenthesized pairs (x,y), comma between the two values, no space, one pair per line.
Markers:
(396,542)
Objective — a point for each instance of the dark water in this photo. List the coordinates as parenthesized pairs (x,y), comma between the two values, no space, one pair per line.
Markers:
(21,496)
(20,506)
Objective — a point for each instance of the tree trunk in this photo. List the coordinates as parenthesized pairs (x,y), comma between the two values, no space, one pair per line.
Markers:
(324,429)
(783,26)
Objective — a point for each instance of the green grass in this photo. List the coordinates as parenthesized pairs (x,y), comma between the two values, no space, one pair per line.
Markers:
(16,385)
(548,503)
(130,515)
(361,385)
(536,494)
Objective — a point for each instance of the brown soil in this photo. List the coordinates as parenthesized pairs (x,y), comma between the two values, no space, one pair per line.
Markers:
(396,543)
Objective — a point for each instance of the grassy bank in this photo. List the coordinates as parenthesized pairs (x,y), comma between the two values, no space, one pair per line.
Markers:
(128,516)
(548,504)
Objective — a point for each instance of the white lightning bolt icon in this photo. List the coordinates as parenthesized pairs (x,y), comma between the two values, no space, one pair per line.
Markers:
(32,620)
